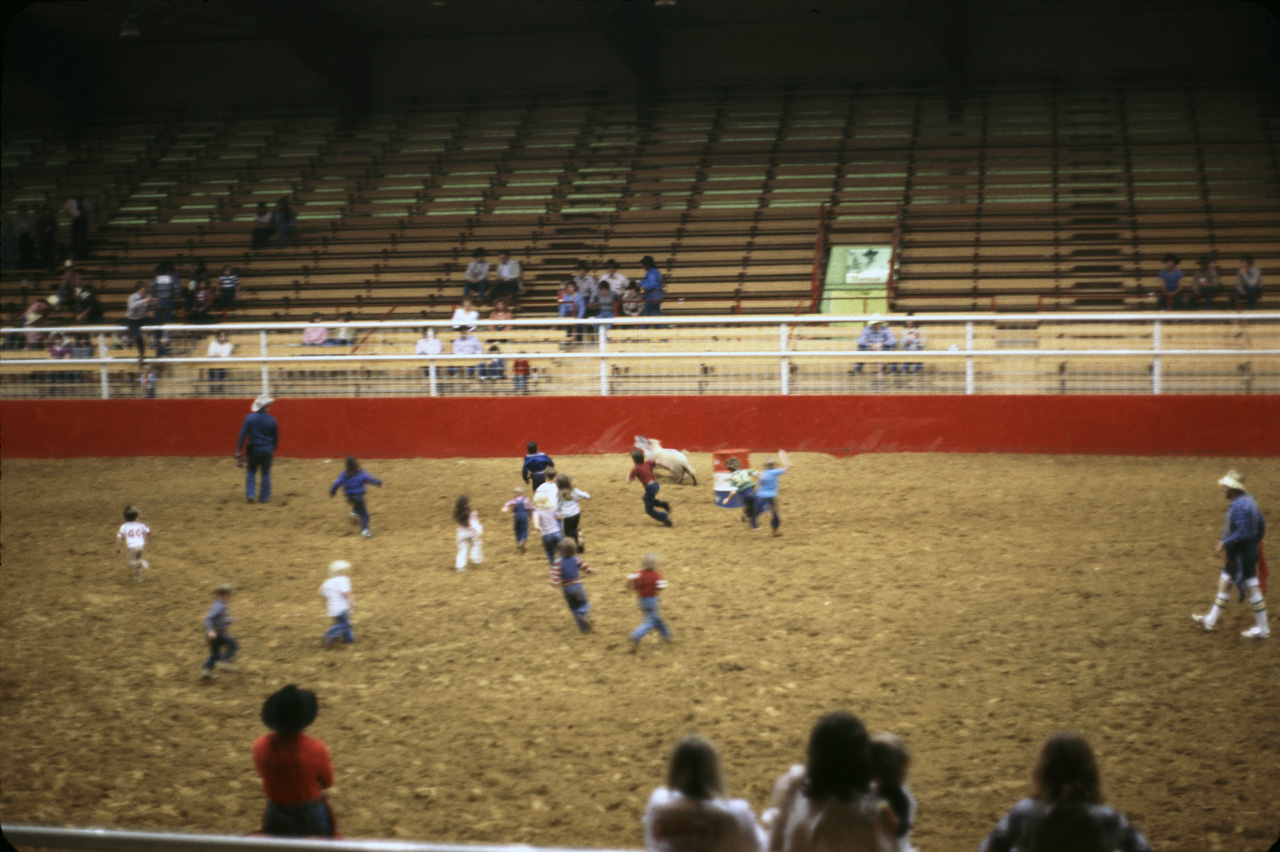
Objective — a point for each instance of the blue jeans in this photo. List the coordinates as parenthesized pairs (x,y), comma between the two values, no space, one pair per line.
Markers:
(766,504)
(481,287)
(652,307)
(520,383)
(311,819)
(341,629)
(652,620)
(606,313)
(357,506)
(576,598)
(216,647)
(521,527)
(549,544)
(258,459)
(283,227)
(651,501)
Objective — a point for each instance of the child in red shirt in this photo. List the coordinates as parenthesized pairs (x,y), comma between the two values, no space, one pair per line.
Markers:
(643,471)
(295,769)
(646,583)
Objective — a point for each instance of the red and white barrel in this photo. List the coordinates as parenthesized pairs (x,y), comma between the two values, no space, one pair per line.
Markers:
(720,474)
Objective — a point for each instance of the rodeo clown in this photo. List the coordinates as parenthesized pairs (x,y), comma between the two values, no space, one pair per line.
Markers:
(1241,543)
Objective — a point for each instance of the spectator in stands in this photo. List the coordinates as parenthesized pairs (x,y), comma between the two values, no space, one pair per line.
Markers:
(651,284)
(465,316)
(295,768)
(1248,283)
(25,232)
(32,317)
(59,347)
(78,209)
(567,300)
(283,218)
(477,275)
(495,367)
(607,300)
(347,333)
(510,284)
(164,294)
(911,342)
(1065,810)
(263,224)
(228,288)
(47,236)
(500,314)
(135,316)
(829,802)
(616,280)
(633,300)
(428,344)
(466,344)
(692,811)
(88,310)
(876,337)
(202,302)
(1170,292)
(315,334)
(586,301)
(219,347)
(1205,288)
(82,347)
(520,371)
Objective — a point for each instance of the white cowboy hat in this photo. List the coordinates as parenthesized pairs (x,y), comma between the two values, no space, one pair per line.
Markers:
(262,402)
(1233,480)
(338,566)
(876,319)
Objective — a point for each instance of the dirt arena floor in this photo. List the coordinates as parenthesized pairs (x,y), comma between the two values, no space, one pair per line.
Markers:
(972,604)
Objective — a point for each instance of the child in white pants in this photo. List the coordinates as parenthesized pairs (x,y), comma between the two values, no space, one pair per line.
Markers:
(469,533)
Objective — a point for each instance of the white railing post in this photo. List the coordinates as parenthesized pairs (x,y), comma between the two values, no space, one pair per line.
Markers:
(1155,359)
(785,377)
(262,337)
(968,361)
(106,377)
(604,363)
(433,387)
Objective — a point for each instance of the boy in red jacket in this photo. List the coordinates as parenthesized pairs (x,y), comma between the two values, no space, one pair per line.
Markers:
(646,583)
(295,769)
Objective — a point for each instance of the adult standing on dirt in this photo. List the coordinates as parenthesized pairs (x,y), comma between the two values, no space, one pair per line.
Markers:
(260,435)
(1241,539)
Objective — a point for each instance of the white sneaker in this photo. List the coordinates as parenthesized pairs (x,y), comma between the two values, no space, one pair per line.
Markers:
(1256,633)
(1203,621)
(366,533)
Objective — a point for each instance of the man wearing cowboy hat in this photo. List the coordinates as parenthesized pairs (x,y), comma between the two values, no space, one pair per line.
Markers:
(260,433)
(876,337)
(1241,534)
(295,769)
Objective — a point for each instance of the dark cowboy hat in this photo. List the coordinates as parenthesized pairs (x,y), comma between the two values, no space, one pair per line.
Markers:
(289,710)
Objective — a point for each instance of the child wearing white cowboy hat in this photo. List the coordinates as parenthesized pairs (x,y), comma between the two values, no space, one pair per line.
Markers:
(336,592)
(295,769)
(1241,544)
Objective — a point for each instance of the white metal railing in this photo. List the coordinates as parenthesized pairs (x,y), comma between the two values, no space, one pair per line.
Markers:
(812,354)
(107,840)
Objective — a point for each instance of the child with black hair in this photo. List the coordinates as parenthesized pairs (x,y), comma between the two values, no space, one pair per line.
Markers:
(890,761)
(643,471)
(352,481)
(133,533)
(295,769)
(222,646)
(535,467)
(468,535)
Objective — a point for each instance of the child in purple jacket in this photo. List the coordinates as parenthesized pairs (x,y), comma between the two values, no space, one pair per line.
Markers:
(352,481)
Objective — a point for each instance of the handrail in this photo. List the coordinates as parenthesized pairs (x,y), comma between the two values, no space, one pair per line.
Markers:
(108,840)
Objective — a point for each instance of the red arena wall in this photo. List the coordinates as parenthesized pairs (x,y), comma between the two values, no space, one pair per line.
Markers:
(483,427)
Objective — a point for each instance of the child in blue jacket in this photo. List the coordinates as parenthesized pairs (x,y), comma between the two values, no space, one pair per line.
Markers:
(352,481)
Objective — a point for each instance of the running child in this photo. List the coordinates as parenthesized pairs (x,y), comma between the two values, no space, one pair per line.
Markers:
(743,482)
(566,575)
(646,583)
(767,491)
(133,533)
(520,506)
(535,467)
(336,592)
(643,471)
(352,481)
(469,533)
(546,522)
(222,646)
(570,511)
(890,761)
